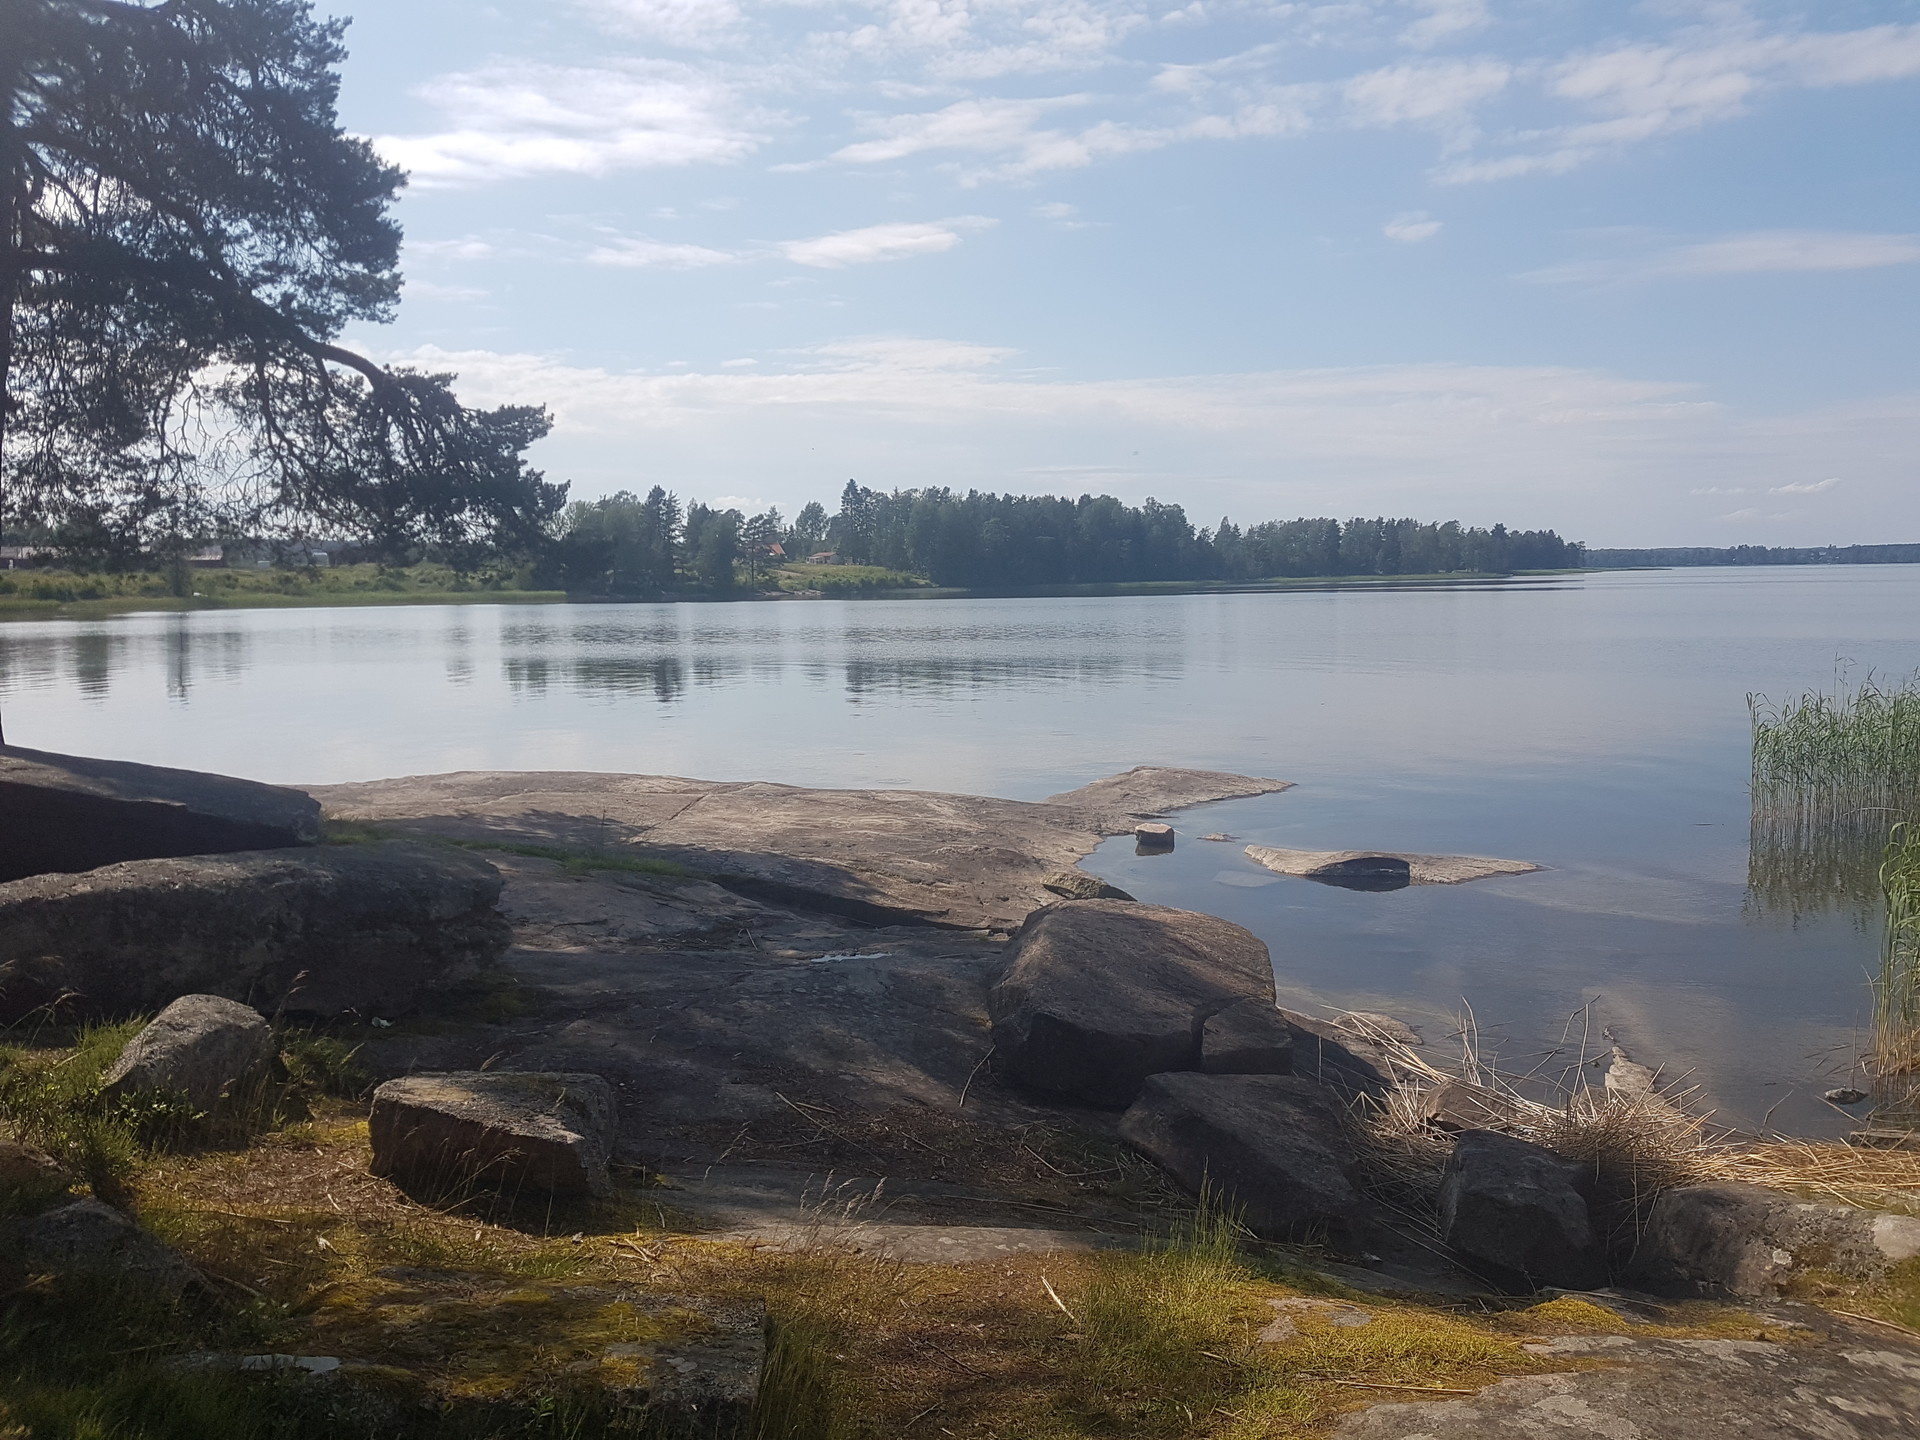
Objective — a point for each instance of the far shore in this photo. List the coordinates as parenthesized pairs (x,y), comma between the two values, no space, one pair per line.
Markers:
(13,607)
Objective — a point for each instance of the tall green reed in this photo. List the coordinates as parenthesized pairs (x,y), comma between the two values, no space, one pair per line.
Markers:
(1897,988)
(1832,774)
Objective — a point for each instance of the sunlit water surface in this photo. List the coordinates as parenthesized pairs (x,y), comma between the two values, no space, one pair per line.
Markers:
(1597,726)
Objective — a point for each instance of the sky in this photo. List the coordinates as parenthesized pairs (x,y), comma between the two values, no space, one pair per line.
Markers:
(1645,273)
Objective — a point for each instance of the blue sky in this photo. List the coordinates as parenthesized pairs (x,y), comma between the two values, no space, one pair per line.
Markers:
(1643,273)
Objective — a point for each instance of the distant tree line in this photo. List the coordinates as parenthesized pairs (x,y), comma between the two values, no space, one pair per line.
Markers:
(1689,555)
(985,541)
(627,544)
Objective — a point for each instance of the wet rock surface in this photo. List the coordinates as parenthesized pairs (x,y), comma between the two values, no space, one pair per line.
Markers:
(1270,1145)
(202,1046)
(1376,869)
(1101,994)
(321,930)
(1849,1386)
(522,1134)
(70,813)
(1078,885)
(1517,1211)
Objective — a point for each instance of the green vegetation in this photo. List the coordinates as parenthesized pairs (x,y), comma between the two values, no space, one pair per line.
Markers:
(582,860)
(1832,774)
(1896,1010)
(843,580)
(30,592)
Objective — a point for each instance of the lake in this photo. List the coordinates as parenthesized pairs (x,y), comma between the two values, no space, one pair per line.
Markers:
(1595,725)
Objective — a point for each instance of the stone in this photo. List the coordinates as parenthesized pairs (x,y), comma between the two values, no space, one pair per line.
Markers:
(1153,837)
(881,857)
(1459,1105)
(1078,885)
(1746,1242)
(1250,1037)
(1219,837)
(1334,1056)
(92,1240)
(1516,1209)
(1101,994)
(514,1132)
(1271,1147)
(1844,1095)
(71,813)
(1378,870)
(320,931)
(203,1046)
(29,1179)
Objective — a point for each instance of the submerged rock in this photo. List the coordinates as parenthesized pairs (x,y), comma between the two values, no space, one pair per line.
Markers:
(1101,994)
(1517,1209)
(70,813)
(1746,1242)
(517,1133)
(1271,1147)
(314,931)
(202,1046)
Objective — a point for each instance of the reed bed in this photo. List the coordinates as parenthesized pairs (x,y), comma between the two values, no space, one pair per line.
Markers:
(1832,774)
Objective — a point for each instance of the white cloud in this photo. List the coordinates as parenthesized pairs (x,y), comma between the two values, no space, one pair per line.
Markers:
(1444,20)
(1412,227)
(896,241)
(427,290)
(1443,92)
(519,118)
(1809,487)
(1757,252)
(1637,92)
(696,24)
(976,125)
(468,249)
(650,254)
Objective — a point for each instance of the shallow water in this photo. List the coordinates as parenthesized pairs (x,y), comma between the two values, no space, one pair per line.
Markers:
(1597,726)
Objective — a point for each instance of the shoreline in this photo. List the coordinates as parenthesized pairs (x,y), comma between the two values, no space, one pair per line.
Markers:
(14,608)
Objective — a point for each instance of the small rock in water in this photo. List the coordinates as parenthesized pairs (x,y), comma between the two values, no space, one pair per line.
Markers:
(1153,837)
(1221,839)
(1845,1095)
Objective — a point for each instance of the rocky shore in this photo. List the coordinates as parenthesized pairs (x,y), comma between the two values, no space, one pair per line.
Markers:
(759,996)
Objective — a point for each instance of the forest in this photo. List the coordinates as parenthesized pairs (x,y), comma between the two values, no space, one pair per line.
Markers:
(626,544)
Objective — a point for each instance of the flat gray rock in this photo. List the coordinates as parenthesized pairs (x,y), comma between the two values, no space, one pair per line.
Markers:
(321,930)
(882,857)
(1746,1242)
(1103,993)
(1272,1147)
(1358,867)
(71,813)
(1847,1388)
(519,1133)
(202,1046)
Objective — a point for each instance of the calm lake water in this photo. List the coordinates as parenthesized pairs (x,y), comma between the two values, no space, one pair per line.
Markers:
(1597,726)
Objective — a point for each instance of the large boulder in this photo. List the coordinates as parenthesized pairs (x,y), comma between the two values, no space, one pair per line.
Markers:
(1250,1037)
(203,1046)
(72,813)
(1272,1147)
(522,1134)
(1101,994)
(94,1241)
(1517,1210)
(1746,1242)
(320,931)
(1334,1055)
